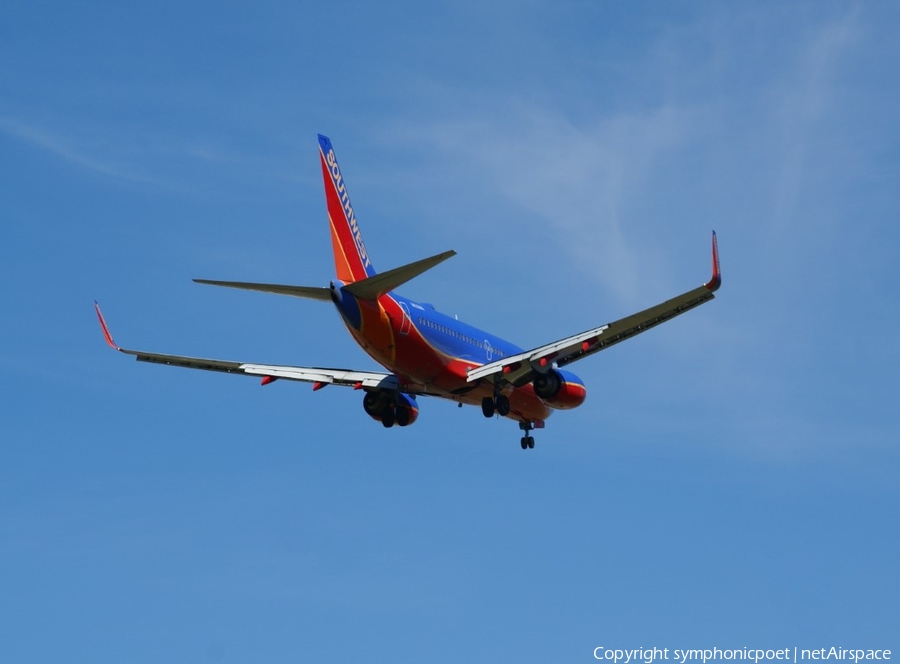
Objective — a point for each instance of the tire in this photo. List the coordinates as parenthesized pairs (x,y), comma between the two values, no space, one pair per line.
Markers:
(502,405)
(487,407)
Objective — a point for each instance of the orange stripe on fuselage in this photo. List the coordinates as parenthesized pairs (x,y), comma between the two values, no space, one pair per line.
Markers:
(341,262)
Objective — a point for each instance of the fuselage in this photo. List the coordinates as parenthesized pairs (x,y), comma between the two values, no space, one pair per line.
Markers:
(433,352)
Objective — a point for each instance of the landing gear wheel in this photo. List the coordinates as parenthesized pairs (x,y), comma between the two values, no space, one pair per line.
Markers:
(527,441)
(502,405)
(487,407)
(387,418)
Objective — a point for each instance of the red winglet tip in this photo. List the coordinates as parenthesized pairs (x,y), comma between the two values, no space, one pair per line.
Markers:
(716,281)
(104,327)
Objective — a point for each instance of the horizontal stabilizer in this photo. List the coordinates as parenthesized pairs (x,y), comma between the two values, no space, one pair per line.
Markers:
(311,292)
(372,288)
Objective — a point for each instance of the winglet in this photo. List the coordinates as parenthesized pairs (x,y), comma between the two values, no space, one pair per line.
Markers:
(716,281)
(104,327)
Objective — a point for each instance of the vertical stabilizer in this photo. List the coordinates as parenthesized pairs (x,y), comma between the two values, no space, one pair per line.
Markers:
(351,260)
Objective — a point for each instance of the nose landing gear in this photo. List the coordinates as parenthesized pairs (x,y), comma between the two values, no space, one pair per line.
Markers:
(527,441)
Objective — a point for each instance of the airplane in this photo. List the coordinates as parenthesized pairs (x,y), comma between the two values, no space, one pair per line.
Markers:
(425,352)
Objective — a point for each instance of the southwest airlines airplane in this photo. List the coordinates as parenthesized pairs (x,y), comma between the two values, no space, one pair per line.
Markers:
(424,351)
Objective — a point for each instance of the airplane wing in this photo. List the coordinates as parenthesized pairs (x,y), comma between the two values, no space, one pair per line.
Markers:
(520,368)
(319,376)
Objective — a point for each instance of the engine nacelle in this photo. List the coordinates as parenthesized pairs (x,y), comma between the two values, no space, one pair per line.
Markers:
(560,389)
(391,408)
(406,409)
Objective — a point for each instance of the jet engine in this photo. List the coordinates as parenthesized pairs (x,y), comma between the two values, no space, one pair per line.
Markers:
(391,408)
(547,385)
(559,389)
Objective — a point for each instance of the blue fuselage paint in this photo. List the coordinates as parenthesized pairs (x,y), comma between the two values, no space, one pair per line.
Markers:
(347,307)
(454,337)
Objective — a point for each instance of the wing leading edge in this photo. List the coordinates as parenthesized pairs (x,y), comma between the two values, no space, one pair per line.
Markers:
(319,376)
(518,369)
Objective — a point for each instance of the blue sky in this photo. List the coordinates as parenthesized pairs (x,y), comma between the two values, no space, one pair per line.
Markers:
(731,479)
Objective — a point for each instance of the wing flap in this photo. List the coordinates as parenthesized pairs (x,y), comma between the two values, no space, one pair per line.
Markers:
(187,362)
(629,326)
(523,363)
(342,377)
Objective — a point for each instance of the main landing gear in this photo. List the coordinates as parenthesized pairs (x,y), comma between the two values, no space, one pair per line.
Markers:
(498,404)
(387,408)
(527,441)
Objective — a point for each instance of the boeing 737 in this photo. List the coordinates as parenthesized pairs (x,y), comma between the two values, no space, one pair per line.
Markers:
(427,353)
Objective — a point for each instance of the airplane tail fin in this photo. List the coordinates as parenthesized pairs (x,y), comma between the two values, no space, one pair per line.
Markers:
(351,261)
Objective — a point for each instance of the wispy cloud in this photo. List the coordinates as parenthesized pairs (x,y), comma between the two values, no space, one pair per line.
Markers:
(804,94)
(68,150)
(578,179)
(137,155)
